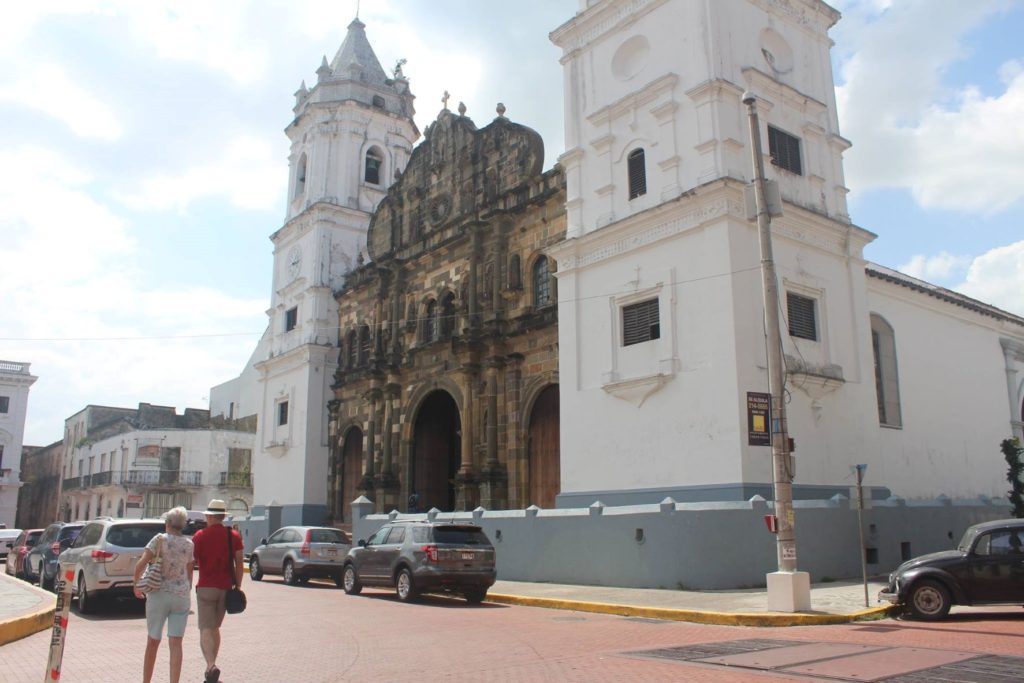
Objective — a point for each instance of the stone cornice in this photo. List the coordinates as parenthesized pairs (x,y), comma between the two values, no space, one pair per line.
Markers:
(597,20)
(645,95)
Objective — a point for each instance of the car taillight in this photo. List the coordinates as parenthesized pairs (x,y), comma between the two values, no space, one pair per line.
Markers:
(55,548)
(304,550)
(431,552)
(102,555)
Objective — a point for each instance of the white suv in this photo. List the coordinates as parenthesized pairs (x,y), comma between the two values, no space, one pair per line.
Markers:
(103,558)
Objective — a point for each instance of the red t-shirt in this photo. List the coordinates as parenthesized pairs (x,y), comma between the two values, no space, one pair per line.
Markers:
(211,553)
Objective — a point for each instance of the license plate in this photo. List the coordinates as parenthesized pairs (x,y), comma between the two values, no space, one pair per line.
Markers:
(332,552)
(467,556)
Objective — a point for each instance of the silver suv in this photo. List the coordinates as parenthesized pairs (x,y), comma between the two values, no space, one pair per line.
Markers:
(423,557)
(103,558)
(299,553)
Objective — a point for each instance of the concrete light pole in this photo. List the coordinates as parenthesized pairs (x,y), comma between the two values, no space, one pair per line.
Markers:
(789,590)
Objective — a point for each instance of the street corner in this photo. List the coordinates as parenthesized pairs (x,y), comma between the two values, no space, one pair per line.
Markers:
(24,609)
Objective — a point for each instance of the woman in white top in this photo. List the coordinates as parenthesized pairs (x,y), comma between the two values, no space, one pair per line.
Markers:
(172,601)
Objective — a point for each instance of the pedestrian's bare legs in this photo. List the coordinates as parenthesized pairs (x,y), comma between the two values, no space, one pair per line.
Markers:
(149,661)
(174,644)
(209,641)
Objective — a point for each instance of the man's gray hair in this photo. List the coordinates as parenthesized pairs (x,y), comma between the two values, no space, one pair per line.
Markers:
(176,518)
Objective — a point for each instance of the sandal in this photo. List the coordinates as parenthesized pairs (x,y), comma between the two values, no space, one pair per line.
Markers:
(212,676)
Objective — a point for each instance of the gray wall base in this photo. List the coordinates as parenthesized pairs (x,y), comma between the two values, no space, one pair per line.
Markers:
(706,494)
(704,545)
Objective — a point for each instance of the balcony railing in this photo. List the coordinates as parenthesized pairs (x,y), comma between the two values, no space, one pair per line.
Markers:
(241,480)
(162,478)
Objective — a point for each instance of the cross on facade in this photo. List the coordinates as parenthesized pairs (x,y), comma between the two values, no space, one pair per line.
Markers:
(444,99)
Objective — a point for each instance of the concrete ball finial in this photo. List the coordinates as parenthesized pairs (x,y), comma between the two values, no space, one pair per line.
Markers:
(462,109)
(500,109)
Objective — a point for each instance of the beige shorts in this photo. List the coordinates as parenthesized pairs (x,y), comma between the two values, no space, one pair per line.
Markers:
(210,607)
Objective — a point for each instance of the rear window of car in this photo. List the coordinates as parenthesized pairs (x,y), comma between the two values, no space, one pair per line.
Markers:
(460,534)
(69,533)
(133,536)
(326,536)
(32,538)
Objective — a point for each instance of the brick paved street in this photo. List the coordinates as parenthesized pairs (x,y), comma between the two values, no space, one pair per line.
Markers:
(317,633)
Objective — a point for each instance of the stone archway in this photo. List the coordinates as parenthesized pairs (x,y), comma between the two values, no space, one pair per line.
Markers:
(543,449)
(436,451)
(350,470)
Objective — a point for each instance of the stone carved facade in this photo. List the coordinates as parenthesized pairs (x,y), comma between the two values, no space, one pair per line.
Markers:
(447,389)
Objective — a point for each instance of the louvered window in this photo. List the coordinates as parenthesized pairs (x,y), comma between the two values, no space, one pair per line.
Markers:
(353,349)
(637,168)
(364,345)
(373,162)
(785,150)
(802,316)
(640,322)
(541,283)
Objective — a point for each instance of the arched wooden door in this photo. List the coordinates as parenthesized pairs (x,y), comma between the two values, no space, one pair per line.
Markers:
(543,435)
(351,471)
(436,451)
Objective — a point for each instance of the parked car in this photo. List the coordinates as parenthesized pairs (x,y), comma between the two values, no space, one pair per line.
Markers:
(423,557)
(986,568)
(7,538)
(103,558)
(19,550)
(42,559)
(300,553)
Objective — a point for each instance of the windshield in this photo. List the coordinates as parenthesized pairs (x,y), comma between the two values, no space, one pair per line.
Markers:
(967,540)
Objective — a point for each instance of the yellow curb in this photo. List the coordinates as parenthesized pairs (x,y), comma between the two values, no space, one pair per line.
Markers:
(24,625)
(697,616)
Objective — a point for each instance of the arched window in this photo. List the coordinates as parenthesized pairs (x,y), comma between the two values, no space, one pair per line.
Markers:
(448,315)
(887,385)
(430,321)
(374,160)
(637,169)
(352,347)
(541,283)
(364,344)
(300,176)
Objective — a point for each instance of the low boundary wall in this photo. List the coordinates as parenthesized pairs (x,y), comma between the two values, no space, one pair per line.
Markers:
(703,546)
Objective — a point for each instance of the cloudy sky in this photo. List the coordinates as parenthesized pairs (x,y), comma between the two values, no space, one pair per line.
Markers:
(143,161)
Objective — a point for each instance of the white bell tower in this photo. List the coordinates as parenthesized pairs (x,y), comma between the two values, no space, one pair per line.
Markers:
(353,131)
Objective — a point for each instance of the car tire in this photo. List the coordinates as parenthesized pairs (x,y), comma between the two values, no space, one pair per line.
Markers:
(350,580)
(289,573)
(85,601)
(928,600)
(405,587)
(255,570)
(475,596)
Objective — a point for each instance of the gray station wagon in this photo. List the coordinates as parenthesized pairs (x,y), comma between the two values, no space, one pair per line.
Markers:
(423,557)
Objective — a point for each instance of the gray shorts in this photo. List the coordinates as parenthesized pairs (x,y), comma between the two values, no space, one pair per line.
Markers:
(166,607)
(211,607)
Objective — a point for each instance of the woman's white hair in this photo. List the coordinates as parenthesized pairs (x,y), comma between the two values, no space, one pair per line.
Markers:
(176,518)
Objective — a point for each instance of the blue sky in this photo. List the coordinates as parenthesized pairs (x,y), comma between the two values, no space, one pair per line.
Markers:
(143,161)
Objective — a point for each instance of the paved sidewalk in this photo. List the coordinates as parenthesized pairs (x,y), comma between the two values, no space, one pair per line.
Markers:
(24,609)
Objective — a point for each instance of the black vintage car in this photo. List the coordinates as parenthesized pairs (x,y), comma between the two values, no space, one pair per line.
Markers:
(986,568)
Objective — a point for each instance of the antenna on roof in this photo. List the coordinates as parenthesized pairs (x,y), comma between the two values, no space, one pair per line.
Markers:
(357,8)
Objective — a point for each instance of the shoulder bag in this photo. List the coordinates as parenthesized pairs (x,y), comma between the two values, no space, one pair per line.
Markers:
(235,601)
(153,576)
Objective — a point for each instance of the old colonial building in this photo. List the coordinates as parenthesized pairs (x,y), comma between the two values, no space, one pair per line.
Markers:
(446,393)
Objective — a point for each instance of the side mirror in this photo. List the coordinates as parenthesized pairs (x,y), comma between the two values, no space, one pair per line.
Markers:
(362,542)
(263,541)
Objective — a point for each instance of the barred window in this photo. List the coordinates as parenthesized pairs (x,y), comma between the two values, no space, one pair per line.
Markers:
(541,283)
(352,346)
(640,322)
(364,344)
(802,314)
(637,168)
(785,150)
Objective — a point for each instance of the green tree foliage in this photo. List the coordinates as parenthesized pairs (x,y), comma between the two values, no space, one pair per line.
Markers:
(1015,474)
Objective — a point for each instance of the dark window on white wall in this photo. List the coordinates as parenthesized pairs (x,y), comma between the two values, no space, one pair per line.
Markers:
(291,318)
(637,169)
(5,404)
(282,413)
(785,150)
(300,177)
(640,322)
(378,101)
(541,283)
(373,163)
(802,314)
(887,385)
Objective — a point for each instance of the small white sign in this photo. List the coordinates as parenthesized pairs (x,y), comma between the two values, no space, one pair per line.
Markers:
(789,552)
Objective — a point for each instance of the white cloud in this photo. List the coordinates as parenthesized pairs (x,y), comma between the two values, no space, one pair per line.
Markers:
(953,149)
(939,267)
(997,277)
(49,90)
(249,172)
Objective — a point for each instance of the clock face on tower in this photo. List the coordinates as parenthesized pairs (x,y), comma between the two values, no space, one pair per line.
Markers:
(294,261)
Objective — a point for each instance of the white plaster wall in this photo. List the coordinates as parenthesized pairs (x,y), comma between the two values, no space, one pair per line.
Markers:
(15,383)
(953,396)
(242,391)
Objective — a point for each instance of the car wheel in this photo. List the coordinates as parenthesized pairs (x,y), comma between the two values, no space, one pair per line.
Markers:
(255,570)
(475,596)
(405,587)
(85,602)
(929,600)
(350,580)
(289,573)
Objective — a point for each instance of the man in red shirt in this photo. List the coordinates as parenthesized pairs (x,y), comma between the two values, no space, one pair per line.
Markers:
(213,558)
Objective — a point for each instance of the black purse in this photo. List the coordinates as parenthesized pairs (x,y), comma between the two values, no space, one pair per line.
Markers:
(235,601)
